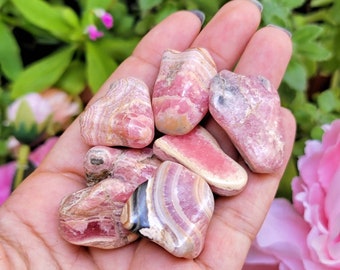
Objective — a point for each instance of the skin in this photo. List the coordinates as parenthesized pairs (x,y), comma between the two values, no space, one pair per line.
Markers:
(29,237)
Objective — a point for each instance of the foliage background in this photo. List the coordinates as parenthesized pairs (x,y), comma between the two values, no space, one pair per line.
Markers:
(43,45)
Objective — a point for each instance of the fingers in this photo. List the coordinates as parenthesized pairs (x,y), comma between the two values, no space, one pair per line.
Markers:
(267,54)
(228,33)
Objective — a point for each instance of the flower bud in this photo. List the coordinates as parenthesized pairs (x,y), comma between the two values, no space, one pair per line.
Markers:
(105,17)
(93,32)
(29,116)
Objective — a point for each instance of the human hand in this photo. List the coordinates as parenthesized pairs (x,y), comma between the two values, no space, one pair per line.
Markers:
(29,233)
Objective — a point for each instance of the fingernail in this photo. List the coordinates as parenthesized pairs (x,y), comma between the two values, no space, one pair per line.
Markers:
(258,4)
(200,14)
(281,28)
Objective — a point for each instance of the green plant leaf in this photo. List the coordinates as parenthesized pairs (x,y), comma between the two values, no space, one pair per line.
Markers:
(291,4)
(10,59)
(73,81)
(315,51)
(327,101)
(43,73)
(59,21)
(296,76)
(307,33)
(98,65)
(146,5)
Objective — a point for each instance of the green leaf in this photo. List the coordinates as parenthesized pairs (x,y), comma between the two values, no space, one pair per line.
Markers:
(315,51)
(307,33)
(146,5)
(296,76)
(10,59)
(73,81)
(43,73)
(320,3)
(56,20)
(291,4)
(98,65)
(327,101)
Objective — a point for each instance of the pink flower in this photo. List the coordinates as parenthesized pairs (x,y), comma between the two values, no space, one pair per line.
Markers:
(105,17)
(305,235)
(7,171)
(64,108)
(93,32)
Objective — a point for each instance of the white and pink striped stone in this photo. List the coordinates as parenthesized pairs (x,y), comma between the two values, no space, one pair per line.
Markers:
(173,210)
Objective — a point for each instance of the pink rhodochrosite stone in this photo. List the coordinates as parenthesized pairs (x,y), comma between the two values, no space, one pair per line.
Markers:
(181,93)
(248,109)
(199,151)
(133,165)
(123,117)
(91,216)
(173,209)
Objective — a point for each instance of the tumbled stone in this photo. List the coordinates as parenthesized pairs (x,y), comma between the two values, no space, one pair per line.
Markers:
(132,165)
(199,151)
(181,93)
(173,209)
(248,109)
(91,216)
(123,117)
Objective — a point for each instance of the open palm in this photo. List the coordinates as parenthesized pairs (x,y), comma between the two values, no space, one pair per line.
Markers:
(29,234)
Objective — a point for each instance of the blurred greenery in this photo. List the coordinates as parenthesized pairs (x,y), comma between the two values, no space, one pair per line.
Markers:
(43,45)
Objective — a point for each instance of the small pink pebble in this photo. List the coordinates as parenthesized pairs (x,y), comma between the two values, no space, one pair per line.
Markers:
(180,97)
(199,152)
(123,117)
(248,109)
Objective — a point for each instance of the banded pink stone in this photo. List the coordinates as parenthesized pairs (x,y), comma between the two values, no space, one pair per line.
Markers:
(181,96)
(199,151)
(173,209)
(123,117)
(248,109)
(91,216)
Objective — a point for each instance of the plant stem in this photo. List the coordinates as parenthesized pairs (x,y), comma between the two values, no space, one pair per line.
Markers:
(22,164)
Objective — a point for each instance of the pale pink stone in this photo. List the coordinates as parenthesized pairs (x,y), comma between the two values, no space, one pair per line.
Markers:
(248,109)
(123,117)
(181,93)
(199,151)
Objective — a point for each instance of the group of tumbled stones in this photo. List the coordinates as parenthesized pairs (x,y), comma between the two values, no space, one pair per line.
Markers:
(162,188)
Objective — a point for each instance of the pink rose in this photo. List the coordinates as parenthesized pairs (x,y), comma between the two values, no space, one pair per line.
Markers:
(305,235)
(316,195)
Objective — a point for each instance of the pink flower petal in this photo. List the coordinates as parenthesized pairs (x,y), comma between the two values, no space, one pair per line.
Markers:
(7,172)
